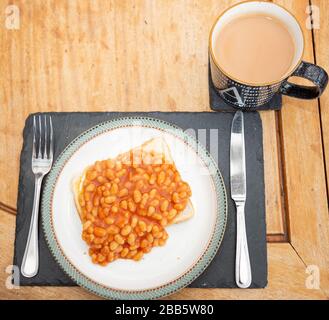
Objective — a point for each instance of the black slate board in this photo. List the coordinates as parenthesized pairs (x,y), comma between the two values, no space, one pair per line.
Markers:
(220,273)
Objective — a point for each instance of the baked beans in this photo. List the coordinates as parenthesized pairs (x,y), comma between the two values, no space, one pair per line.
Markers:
(126,204)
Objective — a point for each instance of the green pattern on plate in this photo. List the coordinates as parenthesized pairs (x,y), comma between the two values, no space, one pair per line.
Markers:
(166,289)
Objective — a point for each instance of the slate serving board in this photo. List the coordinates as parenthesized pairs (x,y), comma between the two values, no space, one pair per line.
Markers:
(220,273)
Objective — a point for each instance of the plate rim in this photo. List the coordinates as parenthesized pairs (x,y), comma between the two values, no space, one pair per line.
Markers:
(190,274)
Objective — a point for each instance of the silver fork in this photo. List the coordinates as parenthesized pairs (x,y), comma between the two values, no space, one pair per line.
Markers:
(42,159)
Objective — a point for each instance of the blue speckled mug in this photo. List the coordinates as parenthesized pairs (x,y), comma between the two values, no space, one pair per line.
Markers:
(245,95)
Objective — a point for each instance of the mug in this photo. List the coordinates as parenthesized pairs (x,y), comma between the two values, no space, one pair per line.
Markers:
(245,95)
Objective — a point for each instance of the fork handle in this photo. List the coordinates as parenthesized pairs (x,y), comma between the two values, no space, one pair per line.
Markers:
(30,264)
(242,261)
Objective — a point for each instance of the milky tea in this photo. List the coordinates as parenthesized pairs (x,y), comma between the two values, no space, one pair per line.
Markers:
(255,49)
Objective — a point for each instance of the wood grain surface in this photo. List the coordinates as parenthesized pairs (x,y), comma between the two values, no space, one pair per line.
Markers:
(152,55)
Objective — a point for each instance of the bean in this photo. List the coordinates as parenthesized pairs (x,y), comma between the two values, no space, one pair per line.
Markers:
(175,197)
(164,205)
(91,175)
(153,192)
(100,258)
(134,221)
(99,232)
(157,216)
(113,229)
(132,253)
(96,201)
(119,239)
(179,206)
(172,213)
(98,166)
(124,252)
(158,235)
(118,165)
(164,222)
(131,238)
(82,201)
(154,202)
(109,173)
(142,226)
(124,204)
(138,256)
(101,214)
(110,256)
(152,178)
(105,250)
(110,163)
(101,179)
(87,196)
(121,173)
(113,245)
(140,170)
(91,187)
(132,206)
(115,209)
(110,199)
(151,210)
(144,243)
(89,206)
(161,177)
(123,192)
(126,230)
(106,193)
(86,225)
(90,217)
(183,194)
(137,196)
(147,249)
(109,220)
(114,188)
(150,238)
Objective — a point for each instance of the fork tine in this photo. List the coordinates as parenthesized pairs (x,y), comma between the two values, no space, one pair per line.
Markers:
(34,139)
(51,147)
(39,151)
(45,155)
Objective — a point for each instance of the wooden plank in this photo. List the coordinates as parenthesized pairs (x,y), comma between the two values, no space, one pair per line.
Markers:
(107,55)
(286,277)
(273,187)
(304,171)
(321,37)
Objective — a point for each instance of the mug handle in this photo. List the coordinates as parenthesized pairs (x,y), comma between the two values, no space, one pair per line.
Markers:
(311,72)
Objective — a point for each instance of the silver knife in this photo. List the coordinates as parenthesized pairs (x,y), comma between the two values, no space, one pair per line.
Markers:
(239,195)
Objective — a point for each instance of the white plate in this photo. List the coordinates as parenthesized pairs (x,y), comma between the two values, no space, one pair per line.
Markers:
(191,245)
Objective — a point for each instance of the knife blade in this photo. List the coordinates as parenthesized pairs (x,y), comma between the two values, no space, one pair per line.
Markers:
(239,195)
(237,159)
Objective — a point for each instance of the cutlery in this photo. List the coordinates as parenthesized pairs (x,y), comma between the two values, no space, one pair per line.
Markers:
(239,195)
(42,159)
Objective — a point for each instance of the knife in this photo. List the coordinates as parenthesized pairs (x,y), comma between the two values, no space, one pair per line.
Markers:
(239,195)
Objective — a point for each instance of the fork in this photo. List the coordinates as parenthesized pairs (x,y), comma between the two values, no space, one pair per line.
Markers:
(42,159)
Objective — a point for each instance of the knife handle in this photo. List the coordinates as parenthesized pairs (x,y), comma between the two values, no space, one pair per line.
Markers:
(242,262)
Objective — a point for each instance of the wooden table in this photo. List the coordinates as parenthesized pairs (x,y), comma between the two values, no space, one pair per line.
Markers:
(152,55)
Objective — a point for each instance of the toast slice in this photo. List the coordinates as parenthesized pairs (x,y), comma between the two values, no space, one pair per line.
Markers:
(157,145)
